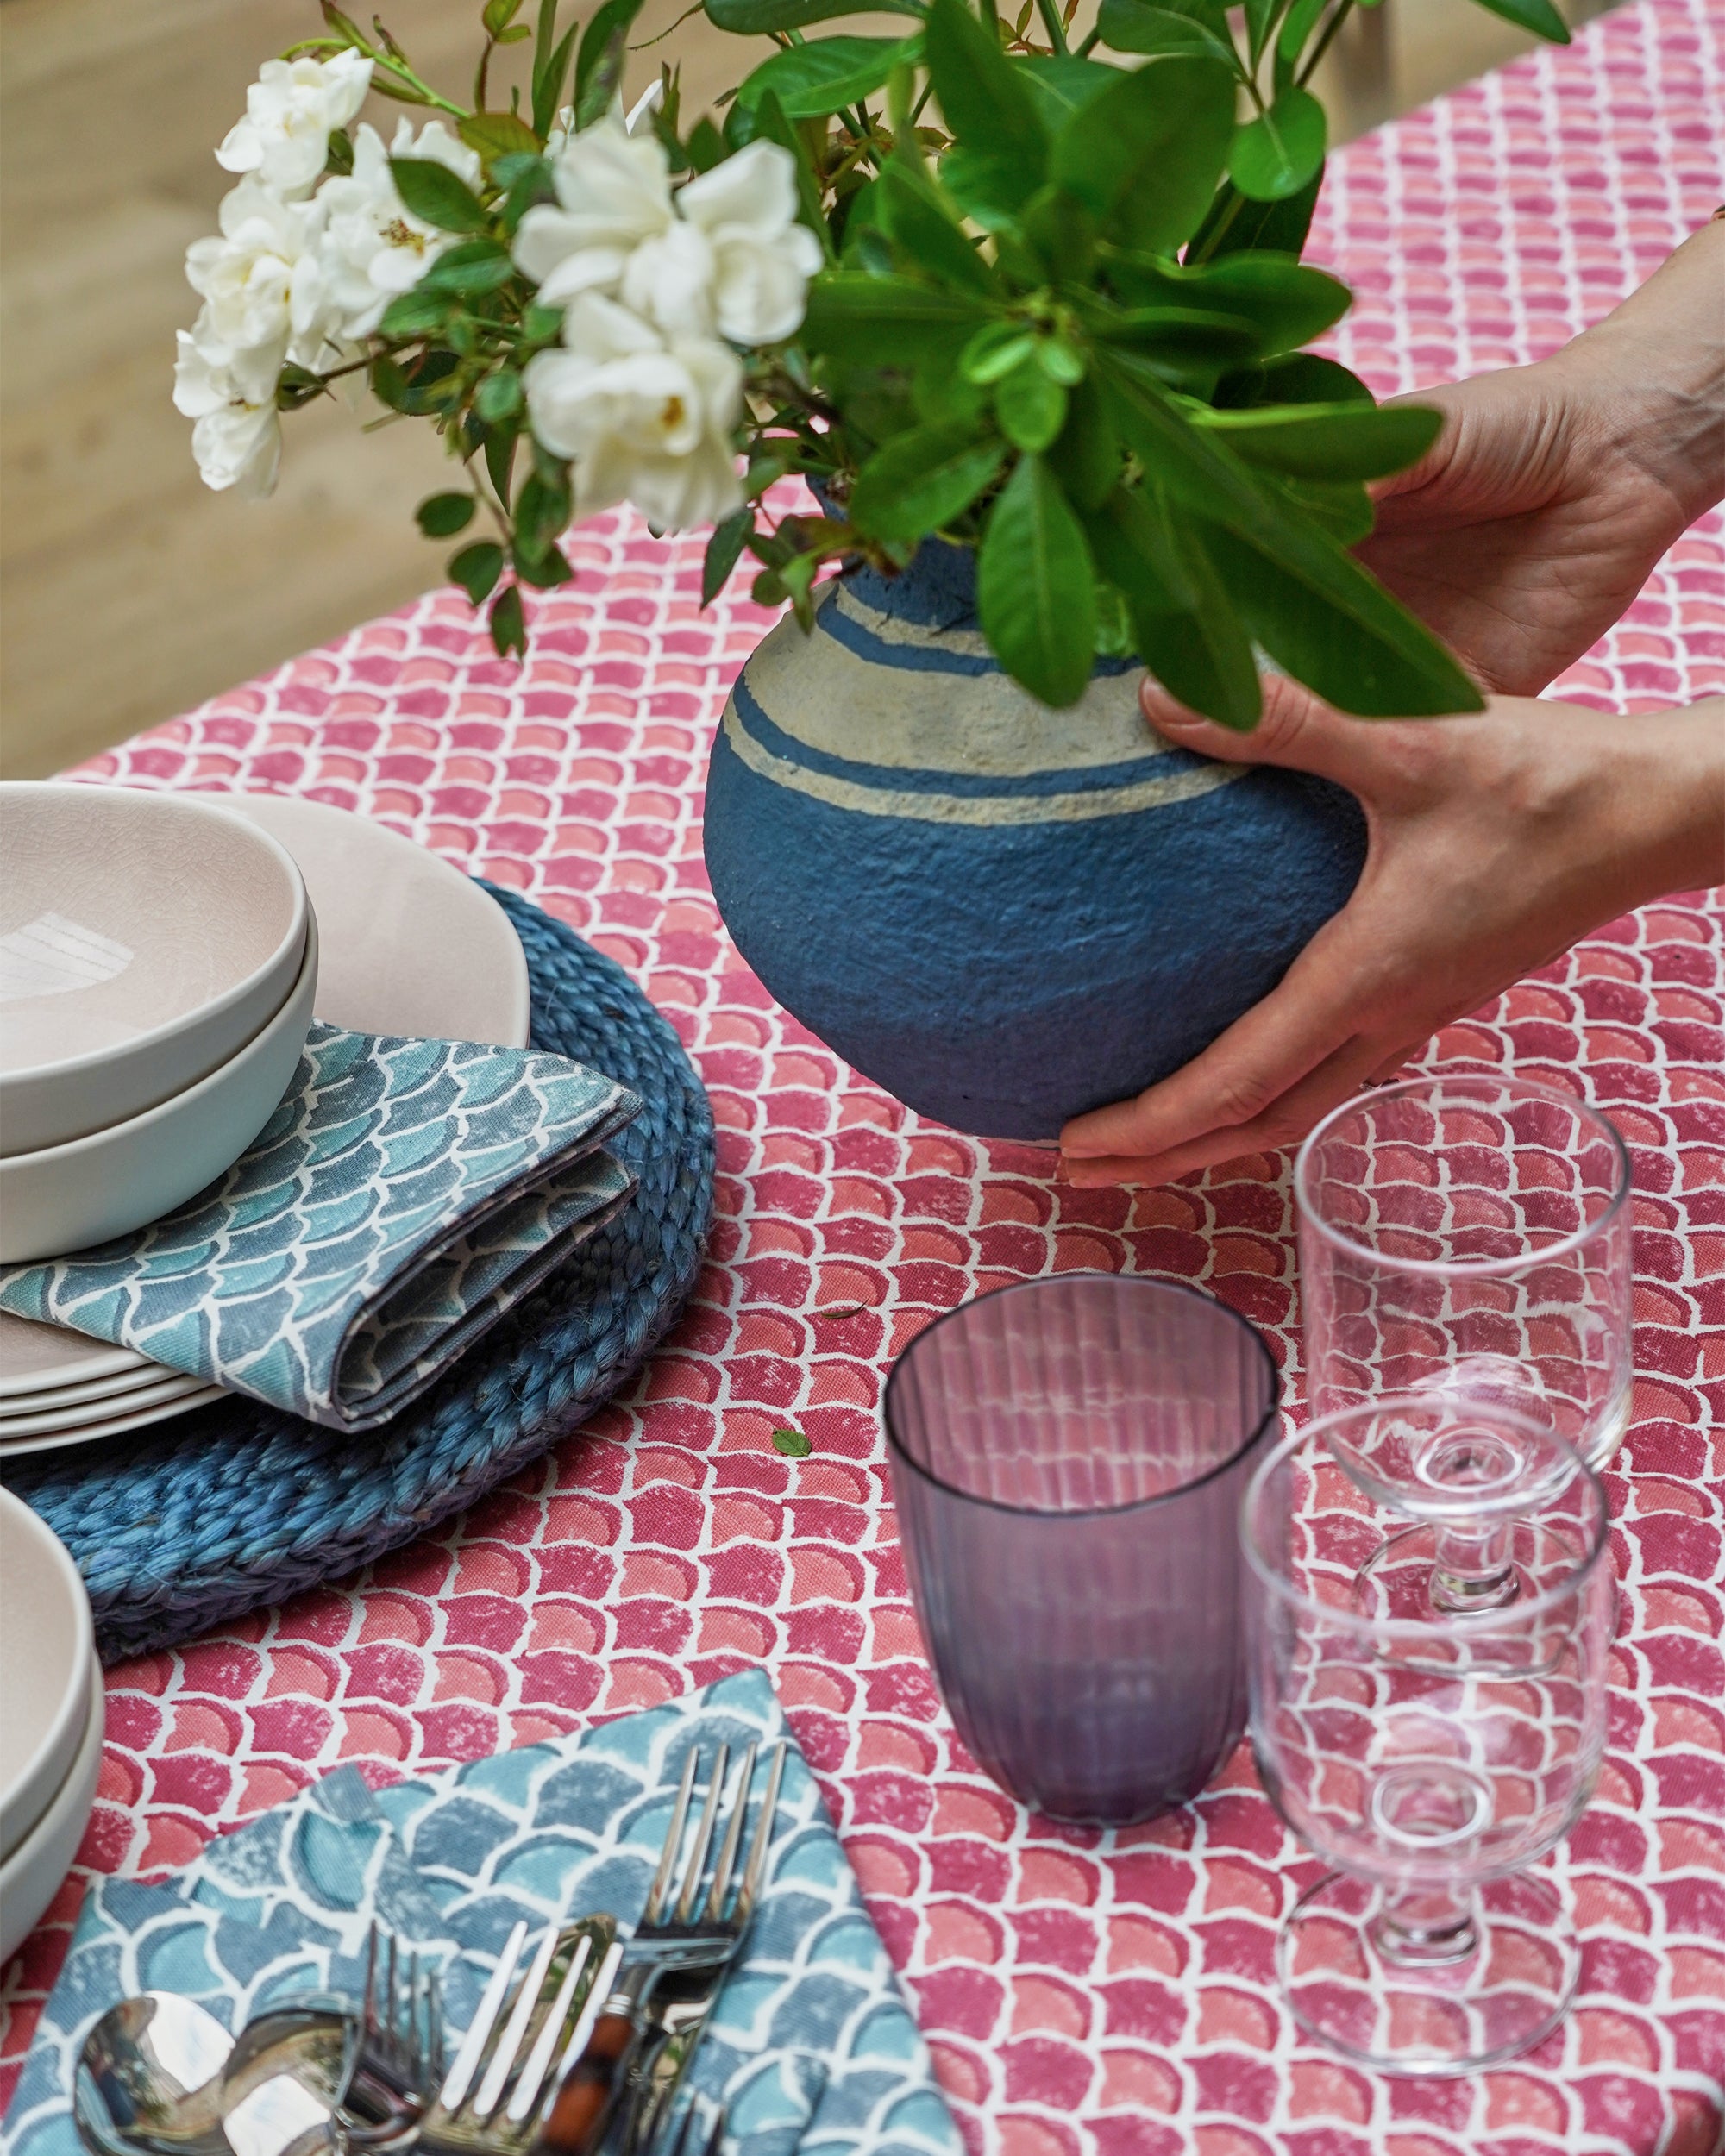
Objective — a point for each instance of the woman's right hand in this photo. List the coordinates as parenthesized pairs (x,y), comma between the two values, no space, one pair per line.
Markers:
(1541,510)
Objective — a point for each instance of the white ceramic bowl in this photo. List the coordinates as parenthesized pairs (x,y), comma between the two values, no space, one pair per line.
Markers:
(144,939)
(31,1877)
(45,1642)
(69,1197)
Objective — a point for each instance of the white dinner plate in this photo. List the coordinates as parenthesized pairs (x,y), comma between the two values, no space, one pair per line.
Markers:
(53,1415)
(69,1433)
(30,1878)
(36,1358)
(47,1639)
(409,944)
(106,1391)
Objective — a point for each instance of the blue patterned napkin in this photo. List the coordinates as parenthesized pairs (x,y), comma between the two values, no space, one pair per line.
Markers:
(812,2045)
(402,1197)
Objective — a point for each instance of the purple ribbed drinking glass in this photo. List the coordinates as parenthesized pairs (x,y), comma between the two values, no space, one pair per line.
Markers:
(1067,1457)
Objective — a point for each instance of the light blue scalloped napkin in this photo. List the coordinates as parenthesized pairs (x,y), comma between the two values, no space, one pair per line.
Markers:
(812,2045)
(402,1197)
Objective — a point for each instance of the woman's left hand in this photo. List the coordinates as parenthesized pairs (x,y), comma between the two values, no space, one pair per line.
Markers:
(1496,842)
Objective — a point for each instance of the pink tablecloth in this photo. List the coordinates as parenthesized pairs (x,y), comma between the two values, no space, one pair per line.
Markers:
(1086,1995)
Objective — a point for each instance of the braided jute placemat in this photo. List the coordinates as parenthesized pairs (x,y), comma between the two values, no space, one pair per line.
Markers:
(237,1505)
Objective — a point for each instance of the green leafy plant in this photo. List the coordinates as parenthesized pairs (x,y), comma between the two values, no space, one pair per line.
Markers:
(1053,311)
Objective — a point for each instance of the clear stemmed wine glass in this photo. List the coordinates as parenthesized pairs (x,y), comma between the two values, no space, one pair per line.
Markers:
(1469,1233)
(1429,1746)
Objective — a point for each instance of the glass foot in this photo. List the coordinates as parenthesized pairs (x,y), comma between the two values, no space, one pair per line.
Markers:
(1483,1985)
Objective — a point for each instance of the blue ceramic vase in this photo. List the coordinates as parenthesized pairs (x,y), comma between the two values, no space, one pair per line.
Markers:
(1004,914)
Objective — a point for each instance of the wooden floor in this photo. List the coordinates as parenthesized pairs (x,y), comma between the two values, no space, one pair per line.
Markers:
(127,591)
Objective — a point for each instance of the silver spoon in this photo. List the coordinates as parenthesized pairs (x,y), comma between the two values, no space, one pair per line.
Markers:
(159,2075)
(150,2079)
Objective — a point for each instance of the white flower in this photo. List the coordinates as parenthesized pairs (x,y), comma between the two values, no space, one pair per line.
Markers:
(614,191)
(237,436)
(746,210)
(260,278)
(373,248)
(725,253)
(563,126)
(645,418)
(291,111)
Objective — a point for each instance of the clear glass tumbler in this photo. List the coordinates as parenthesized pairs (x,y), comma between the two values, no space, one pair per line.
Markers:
(1068,1456)
(1429,1749)
(1472,1233)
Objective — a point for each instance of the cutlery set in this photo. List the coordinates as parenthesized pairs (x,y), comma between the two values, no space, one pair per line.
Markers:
(581,2042)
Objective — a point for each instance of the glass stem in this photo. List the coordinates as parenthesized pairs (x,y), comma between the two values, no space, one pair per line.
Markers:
(1425,1928)
(1473,1568)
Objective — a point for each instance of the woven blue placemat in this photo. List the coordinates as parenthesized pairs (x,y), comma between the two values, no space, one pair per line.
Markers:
(237,1505)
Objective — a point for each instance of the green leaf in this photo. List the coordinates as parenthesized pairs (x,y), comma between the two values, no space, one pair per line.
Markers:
(1297,25)
(1278,152)
(767,18)
(544,570)
(793,1444)
(551,67)
(339,157)
(1304,378)
(604,50)
(915,217)
(1144,157)
(1260,19)
(495,135)
(543,509)
(706,144)
(1202,478)
(442,515)
(1343,510)
(508,625)
(476,569)
(1140,25)
(436,196)
(881,319)
(1183,625)
(1236,225)
(477,266)
(426,385)
(813,81)
(1287,303)
(985,100)
(1538,15)
(1063,232)
(1087,458)
(500,457)
(498,15)
(922,479)
(499,396)
(996,350)
(1061,83)
(1032,409)
(724,549)
(1036,588)
(1328,443)
(414,314)
(1182,336)
(528,180)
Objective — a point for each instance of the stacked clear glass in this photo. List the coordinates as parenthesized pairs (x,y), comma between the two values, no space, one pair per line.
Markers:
(1469,1232)
(1431,1608)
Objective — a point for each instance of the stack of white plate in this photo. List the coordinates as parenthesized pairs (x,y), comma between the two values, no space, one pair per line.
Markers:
(51,1718)
(57,1388)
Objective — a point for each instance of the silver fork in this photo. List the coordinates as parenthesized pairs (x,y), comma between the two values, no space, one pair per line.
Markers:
(673,1965)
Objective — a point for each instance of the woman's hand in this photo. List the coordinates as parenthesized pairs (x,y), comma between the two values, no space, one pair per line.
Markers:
(1497,840)
(1541,509)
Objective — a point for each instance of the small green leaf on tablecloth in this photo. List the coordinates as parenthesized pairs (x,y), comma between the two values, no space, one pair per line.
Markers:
(793,1444)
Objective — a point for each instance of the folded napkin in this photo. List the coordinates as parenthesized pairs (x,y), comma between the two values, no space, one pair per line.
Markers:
(401,1198)
(810,2044)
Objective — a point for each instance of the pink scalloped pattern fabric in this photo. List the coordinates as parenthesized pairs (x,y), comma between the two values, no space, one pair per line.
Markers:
(1085,1995)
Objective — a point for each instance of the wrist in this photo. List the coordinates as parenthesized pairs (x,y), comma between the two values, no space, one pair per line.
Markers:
(1671,788)
(1649,381)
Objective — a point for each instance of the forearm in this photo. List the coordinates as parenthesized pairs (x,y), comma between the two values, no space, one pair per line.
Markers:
(1653,372)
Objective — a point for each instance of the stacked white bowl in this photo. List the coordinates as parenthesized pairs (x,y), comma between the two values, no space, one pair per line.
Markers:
(158,961)
(51,1718)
